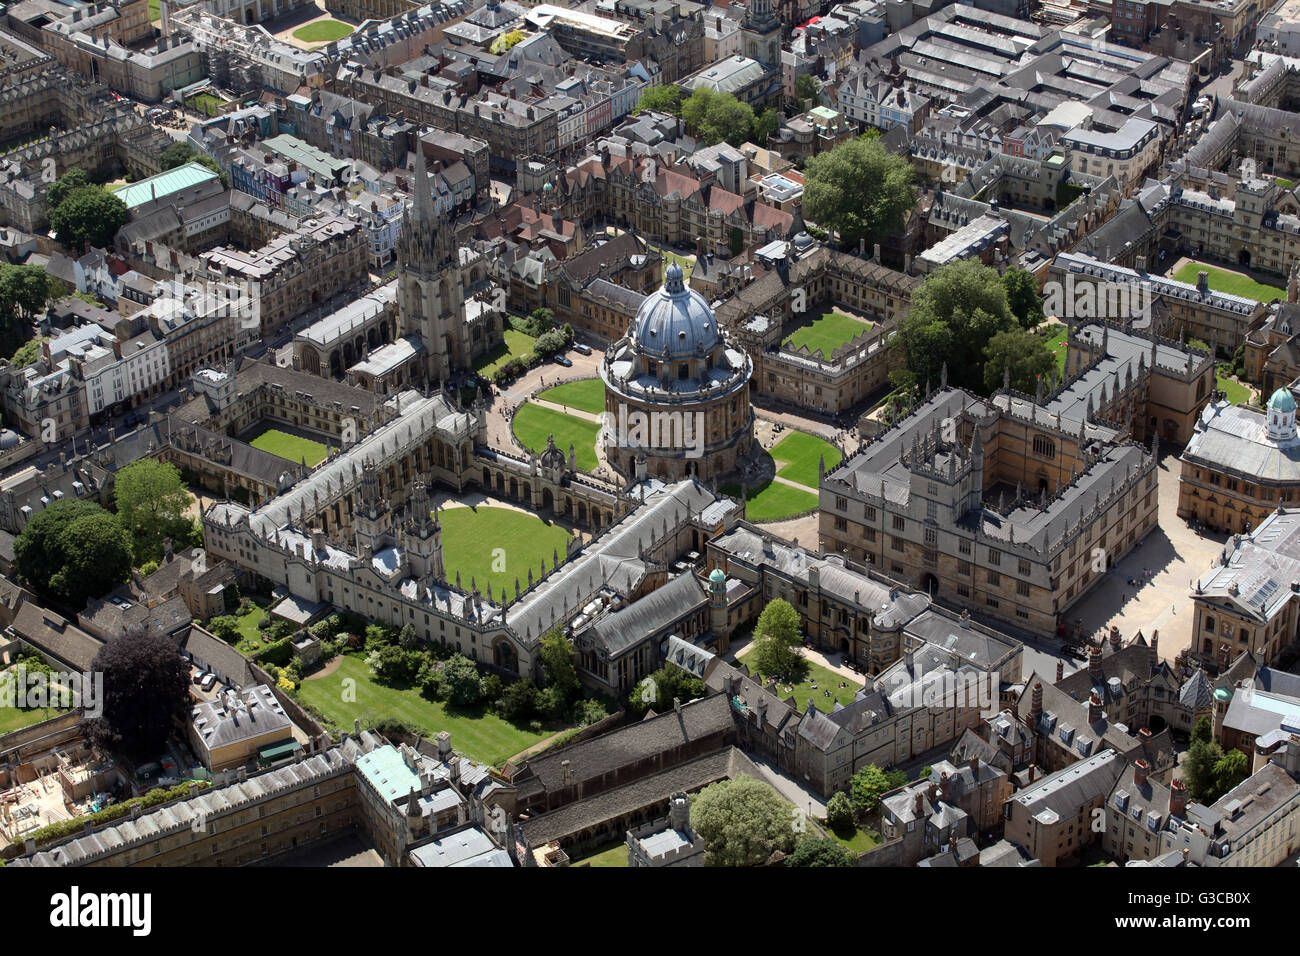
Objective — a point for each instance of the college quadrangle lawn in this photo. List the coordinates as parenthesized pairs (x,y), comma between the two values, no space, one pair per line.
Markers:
(827,332)
(498,546)
(586,395)
(1231,283)
(533,424)
(291,447)
(474,732)
(801,454)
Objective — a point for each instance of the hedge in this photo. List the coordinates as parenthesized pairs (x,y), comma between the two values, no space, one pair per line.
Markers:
(159,795)
(278,653)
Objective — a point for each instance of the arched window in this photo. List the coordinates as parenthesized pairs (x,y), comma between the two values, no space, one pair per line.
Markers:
(1044,447)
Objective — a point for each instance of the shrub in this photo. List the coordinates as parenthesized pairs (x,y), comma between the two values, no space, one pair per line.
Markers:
(491,687)
(588,711)
(277,654)
(519,701)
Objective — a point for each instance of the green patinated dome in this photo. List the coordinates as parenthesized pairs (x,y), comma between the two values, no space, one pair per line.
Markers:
(717,577)
(1282,401)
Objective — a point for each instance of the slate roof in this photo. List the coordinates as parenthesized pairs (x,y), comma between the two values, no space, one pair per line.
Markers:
(53,635)
(1197,693)
(650,614)
(1061,794)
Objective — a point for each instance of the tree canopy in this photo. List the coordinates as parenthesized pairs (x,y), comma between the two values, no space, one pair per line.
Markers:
(25,291)
(73,550)
(62,187)
(717,117)
(662,99)
(819,851)
(955,315)
(151,504)
(88,216)
(806,87)
(146,686)
(859,189)
(658,690)
(870,784)
(777,639)
(743,822)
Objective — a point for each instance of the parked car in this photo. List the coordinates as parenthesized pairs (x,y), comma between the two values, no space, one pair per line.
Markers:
(581,349)
(208,681)
(562,361)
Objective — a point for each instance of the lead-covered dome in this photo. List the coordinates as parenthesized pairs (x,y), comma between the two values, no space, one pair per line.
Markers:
(675,322)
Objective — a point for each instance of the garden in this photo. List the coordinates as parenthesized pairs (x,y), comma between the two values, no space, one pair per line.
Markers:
(534,424)
(800,454)
(827,332)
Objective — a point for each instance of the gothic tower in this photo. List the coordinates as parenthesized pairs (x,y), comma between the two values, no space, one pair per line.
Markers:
(371,520)
(423,536)
(430,289)
(760,32)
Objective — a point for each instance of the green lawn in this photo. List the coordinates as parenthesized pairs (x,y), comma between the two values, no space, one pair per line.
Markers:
(533,424)
(14,718)
(587,395)
(154,14)
(498,545)
(516,344)
(207,103)
(322,31)
(860,841)
(827,332)
(1231,283)
(802,453)
(804,691)
(687,263)
(615,855)
(1057,344)
(292,447)
(1234,391)
(250,638)
(773,501)
(1284,183)
(474,732)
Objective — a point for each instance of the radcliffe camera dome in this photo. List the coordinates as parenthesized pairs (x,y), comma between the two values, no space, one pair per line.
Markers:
(675,322)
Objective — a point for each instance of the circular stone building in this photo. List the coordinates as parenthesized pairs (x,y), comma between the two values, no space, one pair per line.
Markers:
(676,390)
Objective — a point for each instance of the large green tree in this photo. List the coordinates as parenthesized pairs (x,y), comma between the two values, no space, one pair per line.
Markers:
(25,291)
(73,551)
(807,88)
(151,503)
(1025,353)
(658,690)
(819,851)
(717,117)
(663,99)
(1023,297)
(63,187)
(776,640)
(88,216)
(743,822)
(871,783)
(557,654)
(954,314)
(859,189)
(146,687)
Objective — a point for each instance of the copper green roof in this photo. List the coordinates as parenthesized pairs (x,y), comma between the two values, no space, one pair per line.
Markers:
(164,184)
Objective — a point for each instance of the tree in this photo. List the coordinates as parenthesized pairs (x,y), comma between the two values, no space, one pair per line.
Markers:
(1229,771)
(556,653)
(152,502)
(407,639)
(662,99)
(716,117)
(25,291)
(658,690)
(766,124)
(1023,297)
(736,241)
(28,352)
(89,216)
(226,627)
(73,550)
(1027,354)
(63,187)
(777,640)
(743,822)
(461,683)
(807,88)
(859,190)
(519,701)
(870,784)
(819,851)
(1199,769)
(177,154)
(954,314)
(839,813)
(1204,729)
(146,687)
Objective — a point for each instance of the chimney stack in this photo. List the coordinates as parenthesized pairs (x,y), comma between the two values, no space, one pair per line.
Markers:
(567,772)
(1155,651)
(1177,799)
(1060,671)
(919,804)
(1094,663)
(1036,706)
(1140,771)
(1094,708)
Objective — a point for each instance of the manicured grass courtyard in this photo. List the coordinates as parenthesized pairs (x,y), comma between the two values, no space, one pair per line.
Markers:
(250,638)
(686,262)
(860,841)
(474,732)
(15,718)
(1056,342)
(802,453)
(322,31)
(516,344)
(826,680)
(292,447)
(1284,183)
(1234,391)
(498,545)
(827,332)
(533,424)
(154,13)
(773,501)
(1231,283)
(587,395)
(613,856)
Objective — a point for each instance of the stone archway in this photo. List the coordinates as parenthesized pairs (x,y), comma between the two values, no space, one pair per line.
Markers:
(548,500)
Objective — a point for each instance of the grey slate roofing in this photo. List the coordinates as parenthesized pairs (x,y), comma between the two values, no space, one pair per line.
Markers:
(1257,573)
(1061,794)
(626,746)
(726,764)
(209,805)
(1197,693)
(1234,438)
(469,846)
(56,637)
(215,655)
(239,715)
(687,656)
(650,614)
(749,698)
(1258,712)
